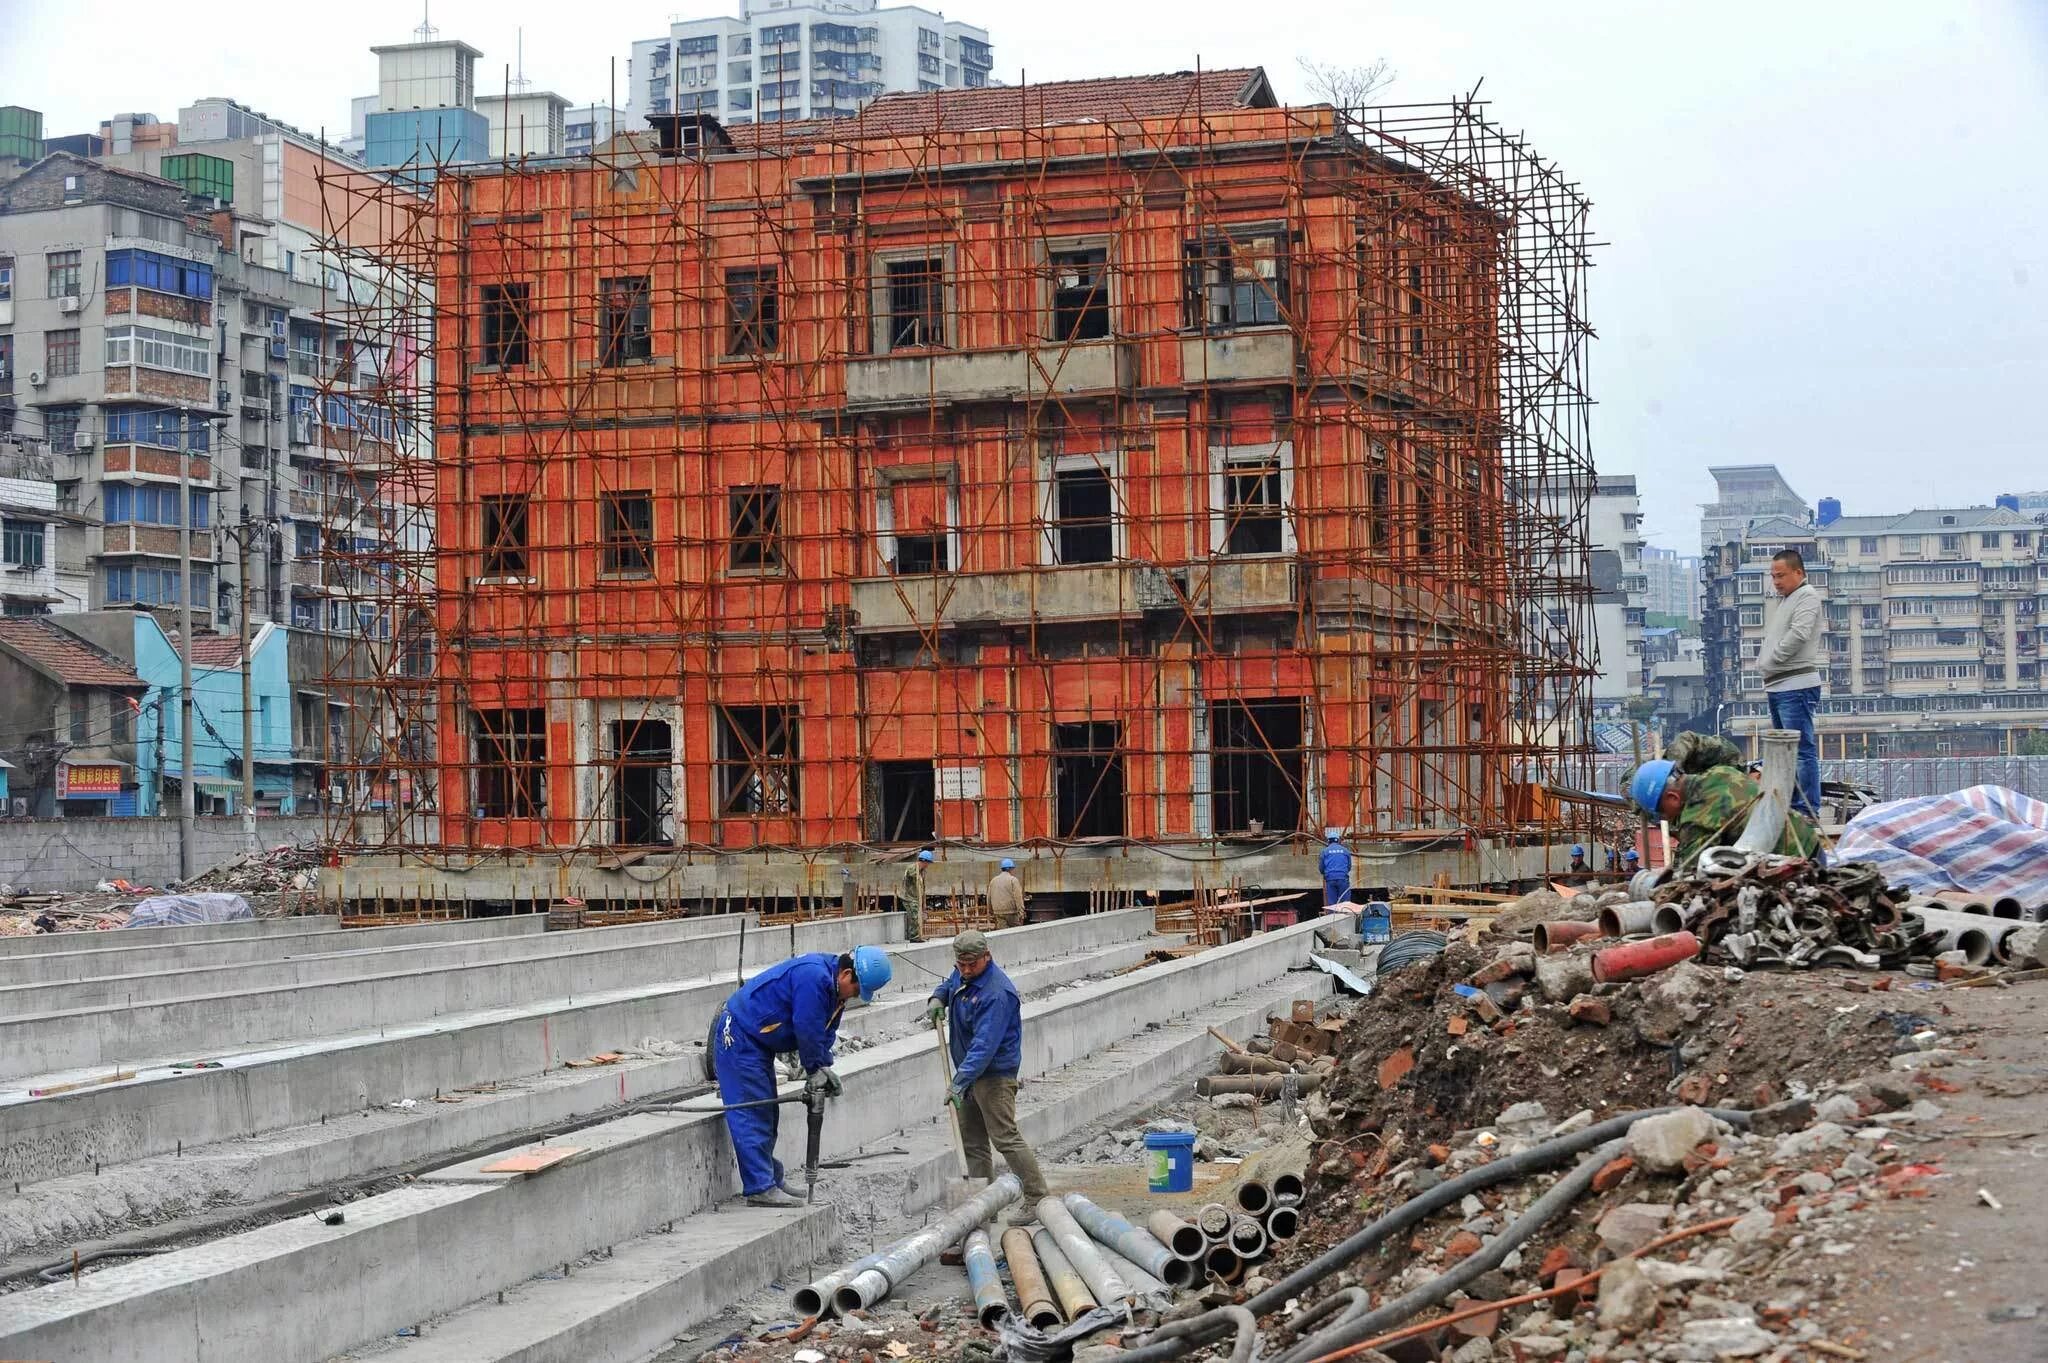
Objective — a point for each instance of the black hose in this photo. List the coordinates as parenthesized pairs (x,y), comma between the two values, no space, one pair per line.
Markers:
(1561,1195)
(1407,949)
(57,1272)
(1204,1329)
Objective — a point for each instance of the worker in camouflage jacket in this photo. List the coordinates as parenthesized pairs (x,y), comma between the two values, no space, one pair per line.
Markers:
(1707,802)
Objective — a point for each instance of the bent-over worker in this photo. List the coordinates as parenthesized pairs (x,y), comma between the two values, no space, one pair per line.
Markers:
(986,1036)
(1709,808)
(793,1005)
(1006,896)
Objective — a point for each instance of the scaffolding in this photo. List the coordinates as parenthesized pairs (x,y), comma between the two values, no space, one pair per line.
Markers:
(1036,476)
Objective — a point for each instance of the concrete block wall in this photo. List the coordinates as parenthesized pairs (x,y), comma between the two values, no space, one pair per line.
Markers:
(44,855)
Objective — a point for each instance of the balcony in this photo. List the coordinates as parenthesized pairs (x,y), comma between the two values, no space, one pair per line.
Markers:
(160,541)
(1263,356)
(926,379)
(1082,592)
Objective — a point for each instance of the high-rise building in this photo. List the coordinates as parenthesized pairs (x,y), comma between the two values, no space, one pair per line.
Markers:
(586,127)
(1673,583)
(780,60)
(425,116)
(525,123)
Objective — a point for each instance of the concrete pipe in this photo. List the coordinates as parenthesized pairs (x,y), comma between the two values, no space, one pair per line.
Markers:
(1177,1235)
(907,1256)
(1223,1264)
(1288,1189)
(1034,1295)
(1213,1220)
(1282,1223)
(1958,901)
(2001,941)
(1072,1294)
(1253,1197)
(1555,937)
(2008,906)
(1247,1238)
(1143,1283)
(1260,1085)
(815,1299)
(1667,919)
(990,1305)
(1632,919)
(1230,1063)
(1141,1247)
(1968,933)
(1095,1271)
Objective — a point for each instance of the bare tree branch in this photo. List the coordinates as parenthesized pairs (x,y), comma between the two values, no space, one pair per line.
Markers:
(1346,87)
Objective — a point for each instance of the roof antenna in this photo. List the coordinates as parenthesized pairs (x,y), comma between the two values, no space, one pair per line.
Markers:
(519,81)
(426,31)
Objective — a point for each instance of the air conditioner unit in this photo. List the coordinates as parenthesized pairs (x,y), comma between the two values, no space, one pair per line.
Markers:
(36,379)
(70,303)
(81,440)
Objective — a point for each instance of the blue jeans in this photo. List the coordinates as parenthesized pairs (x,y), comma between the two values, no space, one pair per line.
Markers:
(1794,710)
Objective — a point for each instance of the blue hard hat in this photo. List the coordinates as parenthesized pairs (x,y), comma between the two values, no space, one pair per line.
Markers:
(872,970)
(1630,855)
(1647,787)
(1578,849)
(1007,865)
(924,856)
(1336,837)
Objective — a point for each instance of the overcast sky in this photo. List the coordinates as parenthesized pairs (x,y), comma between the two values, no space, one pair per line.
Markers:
(1825,222)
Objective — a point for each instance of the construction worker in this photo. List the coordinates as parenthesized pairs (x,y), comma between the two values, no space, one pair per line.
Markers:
(793,1006)
(1335,865)
(1006,895)
(912,898)
(1579,859)
(986,1037)
(1708,809)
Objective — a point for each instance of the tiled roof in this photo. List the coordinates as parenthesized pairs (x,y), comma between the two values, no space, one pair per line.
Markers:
(63,654)
(1104,100)
(213,650)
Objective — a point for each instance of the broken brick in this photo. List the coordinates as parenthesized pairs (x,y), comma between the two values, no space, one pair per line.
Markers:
(1592,1011)
(1568,1302)
(1695,1089)
(1611,1174)
(1396,1066)
(1438,1153)
(1481,1326)
(1463,1245)
(1456,1026)
(1502,968)
(1556,1261)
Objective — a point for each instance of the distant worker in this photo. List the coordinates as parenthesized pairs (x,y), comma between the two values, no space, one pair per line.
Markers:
(1578,859)
(1006,895)
(985,1032)
(793,1006)
(1790,664)
(1709,808)
(1336,868)
(912,898)
(1630,862)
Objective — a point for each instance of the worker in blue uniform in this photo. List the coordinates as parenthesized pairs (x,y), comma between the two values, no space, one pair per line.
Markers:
(986,1036)
(1336,868)
(793,1006)
(1578,863)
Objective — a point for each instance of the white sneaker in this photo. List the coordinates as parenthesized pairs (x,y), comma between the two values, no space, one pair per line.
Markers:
(775,1197)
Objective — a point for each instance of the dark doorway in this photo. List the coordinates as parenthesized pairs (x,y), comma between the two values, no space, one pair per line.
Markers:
(642,785)
(1088,780)
(1255,765)
(905,802)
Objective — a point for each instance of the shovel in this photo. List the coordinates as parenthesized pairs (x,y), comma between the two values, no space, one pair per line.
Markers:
(959,1187)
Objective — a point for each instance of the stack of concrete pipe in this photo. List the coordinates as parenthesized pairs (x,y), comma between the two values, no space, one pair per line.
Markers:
(1236,1237)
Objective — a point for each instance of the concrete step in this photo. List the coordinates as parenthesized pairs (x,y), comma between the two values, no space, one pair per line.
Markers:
(343,960)
(55,1216)
(636,1297)
(299,1291)
(272,1088)
(53,943)
(111,954)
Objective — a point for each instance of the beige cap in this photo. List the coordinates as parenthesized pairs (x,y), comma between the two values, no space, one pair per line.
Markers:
(969,945)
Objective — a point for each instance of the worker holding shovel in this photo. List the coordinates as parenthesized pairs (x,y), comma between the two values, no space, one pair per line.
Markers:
(986,1021)
(793,1005)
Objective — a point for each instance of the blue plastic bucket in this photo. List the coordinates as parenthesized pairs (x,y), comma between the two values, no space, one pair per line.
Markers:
(1376,923)
(1173,1161)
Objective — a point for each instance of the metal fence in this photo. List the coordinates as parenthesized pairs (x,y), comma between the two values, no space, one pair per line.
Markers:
(1898,778)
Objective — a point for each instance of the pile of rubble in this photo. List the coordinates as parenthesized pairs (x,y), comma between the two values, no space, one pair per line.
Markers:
(282,870)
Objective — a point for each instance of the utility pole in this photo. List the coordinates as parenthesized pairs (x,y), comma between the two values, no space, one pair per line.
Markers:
(248,704)
(186,807)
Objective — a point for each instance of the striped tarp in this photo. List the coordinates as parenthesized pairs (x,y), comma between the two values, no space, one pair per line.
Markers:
(1987,840)
(185,910)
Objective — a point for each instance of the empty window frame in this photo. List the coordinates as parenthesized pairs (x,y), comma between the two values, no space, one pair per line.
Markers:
(506,334)
(1256,765)
(756,516)
(1236,279)
(920,524)
(1254,514)
(1088,780)
(1084,515)
(625,321)
(510,759)
(904,799)
(642,782)
(753,311)
(504,536)
(1080,293)
(757,759)
(626,533)
(913,299)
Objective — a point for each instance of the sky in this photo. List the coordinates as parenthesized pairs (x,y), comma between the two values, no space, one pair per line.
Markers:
(1824,222)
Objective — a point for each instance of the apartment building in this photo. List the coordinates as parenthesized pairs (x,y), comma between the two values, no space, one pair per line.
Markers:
(1933,620)
(1615,535)
(525,122)
(780,61)
(876,488)
(425,115)
(1672,581)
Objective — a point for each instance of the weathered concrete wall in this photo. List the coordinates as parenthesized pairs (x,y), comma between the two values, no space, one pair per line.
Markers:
(74,854)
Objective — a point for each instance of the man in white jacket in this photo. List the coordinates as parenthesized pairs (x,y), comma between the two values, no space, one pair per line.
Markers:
(1790,664)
